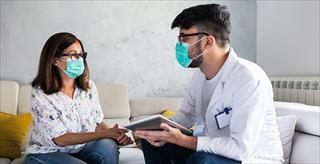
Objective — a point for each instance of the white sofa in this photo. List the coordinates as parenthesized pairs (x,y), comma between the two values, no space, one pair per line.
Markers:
(117,108)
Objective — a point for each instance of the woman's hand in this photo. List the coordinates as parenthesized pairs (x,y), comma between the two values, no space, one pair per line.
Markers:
(102,126)
(113,133)
(123,139)
(117,134)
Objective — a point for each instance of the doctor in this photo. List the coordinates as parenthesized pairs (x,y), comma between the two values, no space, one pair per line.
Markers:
(229,102)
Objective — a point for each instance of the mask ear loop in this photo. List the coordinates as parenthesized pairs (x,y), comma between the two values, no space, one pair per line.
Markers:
(59,66)
(203,51)
(196,42)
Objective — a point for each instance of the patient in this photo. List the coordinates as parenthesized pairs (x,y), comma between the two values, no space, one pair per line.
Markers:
(67,117)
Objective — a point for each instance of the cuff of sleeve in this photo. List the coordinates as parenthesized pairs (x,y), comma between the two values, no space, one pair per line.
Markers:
(57,134)
(203,144)
(99,120)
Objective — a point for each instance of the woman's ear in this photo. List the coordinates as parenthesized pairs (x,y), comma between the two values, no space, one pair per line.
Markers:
(56,62)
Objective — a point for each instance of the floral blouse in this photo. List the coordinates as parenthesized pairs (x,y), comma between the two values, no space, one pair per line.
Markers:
(56,114)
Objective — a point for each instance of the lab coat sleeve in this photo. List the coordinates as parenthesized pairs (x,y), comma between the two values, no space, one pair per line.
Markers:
(186,115)
(245,125)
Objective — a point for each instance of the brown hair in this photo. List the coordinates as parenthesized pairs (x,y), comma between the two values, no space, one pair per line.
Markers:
(48,77)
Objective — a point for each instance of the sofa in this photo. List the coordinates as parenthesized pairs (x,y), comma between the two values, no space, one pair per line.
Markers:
(118,108)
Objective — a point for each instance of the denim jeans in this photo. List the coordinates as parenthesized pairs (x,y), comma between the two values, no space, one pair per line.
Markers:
(179,155)
(100,151)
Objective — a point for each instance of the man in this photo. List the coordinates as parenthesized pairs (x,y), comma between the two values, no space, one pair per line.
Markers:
(229,102)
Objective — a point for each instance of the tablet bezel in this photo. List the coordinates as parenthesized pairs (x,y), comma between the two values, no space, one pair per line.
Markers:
(153,123)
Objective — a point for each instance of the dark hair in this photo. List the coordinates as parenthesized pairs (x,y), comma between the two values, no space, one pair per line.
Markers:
(211,18)
(48,77)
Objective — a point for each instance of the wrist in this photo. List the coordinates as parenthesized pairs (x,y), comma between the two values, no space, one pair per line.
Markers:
(188,142)
(101,134)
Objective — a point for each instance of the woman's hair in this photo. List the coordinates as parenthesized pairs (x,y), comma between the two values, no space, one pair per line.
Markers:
(48,77)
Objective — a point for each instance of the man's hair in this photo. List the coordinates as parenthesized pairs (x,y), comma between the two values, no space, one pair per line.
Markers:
(211,18)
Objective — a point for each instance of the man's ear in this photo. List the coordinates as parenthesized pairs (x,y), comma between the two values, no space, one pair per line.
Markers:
(211,41)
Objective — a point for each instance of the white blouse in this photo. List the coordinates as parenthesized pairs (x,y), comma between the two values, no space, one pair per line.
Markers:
(56,114)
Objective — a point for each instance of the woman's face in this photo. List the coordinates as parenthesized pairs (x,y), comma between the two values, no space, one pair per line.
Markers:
(74,48)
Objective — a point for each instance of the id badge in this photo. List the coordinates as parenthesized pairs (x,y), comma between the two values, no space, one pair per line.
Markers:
(223,118)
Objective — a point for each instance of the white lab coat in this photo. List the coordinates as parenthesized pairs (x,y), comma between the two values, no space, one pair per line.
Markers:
(253,135)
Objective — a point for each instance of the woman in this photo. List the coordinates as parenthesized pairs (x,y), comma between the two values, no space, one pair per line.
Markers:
(68,122)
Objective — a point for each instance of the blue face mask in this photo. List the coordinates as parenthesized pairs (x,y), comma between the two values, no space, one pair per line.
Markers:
(182,54)
(74,68)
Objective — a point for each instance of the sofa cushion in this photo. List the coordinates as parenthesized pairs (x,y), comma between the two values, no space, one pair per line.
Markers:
(5,160)
(286,125)
(9,96)
(151,106)
(114,100)
(24,102)
(168,113)
(131,156)
(13,130)
(305,149)
(19,161)
(308,117)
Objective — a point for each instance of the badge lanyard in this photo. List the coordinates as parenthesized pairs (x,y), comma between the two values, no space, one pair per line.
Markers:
(223,117)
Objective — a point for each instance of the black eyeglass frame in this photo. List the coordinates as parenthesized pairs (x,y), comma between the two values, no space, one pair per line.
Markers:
(192,34)
(75,56)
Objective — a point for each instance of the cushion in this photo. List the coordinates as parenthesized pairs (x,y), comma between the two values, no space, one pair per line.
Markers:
(308,117)
(305,149)
(24,103)
(131,156)
(14,130)
(152,106)
(9,91)
(5,160)
(168,113)
(114,100)
(286,126)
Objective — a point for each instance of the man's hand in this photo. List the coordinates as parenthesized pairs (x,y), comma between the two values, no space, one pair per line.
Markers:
(169,134)
(123,139)
(116,133)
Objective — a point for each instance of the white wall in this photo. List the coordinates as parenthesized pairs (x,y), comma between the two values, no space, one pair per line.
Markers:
(129,43)
(288,37)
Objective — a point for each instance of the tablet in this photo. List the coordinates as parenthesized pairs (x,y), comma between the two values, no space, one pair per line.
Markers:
(153,123)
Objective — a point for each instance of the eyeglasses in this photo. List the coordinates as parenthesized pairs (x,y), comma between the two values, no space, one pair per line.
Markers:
(182,36)
(75,57)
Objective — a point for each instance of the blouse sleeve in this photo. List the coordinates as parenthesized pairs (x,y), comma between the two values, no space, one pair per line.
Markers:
(95,98)
(47,118)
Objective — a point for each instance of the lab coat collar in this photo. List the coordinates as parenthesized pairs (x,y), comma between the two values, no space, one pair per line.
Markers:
(228,67)
(229,64)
